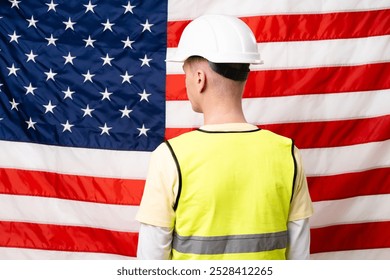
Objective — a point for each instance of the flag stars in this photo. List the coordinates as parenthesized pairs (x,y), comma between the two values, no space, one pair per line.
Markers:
(87,111)
(107,60)
(50,75)
(147,26)
(67,126)
(108,25)
(145,61)
(127,43)
(51,40)
(30,124)
(126,78)
(105,129)
(14,3)
(144,96)
(69,24)
(88,77)
(126,112)
(30,89)
(143,131)
(68,93)
(106,94)
(52,6)
(14,37)
(69,58)
(31,56)
(89,7)
(89,42)
(12,70)
(14,105)
(128,8)
(49,107)
(32,22)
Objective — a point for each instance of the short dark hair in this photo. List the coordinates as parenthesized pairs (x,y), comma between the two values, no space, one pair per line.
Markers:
(233,71)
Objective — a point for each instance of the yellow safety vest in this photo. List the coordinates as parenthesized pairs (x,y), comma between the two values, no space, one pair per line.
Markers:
(234,195)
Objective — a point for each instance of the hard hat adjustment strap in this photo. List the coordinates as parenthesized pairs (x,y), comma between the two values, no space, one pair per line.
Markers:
(236,74)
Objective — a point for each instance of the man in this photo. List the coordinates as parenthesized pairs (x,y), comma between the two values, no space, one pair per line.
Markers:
(228,190)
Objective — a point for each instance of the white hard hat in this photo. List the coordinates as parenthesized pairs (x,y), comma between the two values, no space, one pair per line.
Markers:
(219,39)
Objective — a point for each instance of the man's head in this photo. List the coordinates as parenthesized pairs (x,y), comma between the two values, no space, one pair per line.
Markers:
(217,51)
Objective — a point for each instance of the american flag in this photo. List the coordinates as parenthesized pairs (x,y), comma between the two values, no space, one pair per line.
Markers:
(86,95)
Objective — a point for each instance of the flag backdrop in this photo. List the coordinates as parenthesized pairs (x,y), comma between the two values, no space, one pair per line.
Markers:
(86,95)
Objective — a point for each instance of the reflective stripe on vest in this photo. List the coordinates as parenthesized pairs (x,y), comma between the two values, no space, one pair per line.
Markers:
(245,243)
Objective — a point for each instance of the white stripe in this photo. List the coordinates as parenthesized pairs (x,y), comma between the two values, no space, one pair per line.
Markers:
(346,159)
(78,161)
(68,212)
(368,254)
(362,209)
(189,9)
(35,254)
(300,108)
(307,54)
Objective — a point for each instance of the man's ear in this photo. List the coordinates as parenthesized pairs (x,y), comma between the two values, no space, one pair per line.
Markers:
(201,80)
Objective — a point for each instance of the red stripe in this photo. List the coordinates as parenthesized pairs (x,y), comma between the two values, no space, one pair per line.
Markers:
(301,27)
(67,238)
(173,132)
(323,134)
(370,182)
(350,237)
(334,133)
(273,83)
(83,188)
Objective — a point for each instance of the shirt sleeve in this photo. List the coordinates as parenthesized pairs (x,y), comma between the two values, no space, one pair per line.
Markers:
(154,243)
(156,207)
(298,247)
(301,205)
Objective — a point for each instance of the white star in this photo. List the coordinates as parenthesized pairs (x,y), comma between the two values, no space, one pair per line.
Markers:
(127,43)
(68,93)
(89,7)
(128,8)
(51,40)
(12,70)
(89,42)
(145,61)
(106,94)
(32,22)
(67,126)
(49,107)
(147,26)
(14,37)
(1,86)
(15,3)
(31,56)
(108,25)
(30,89)
(144,96)
(105,129)
(107,60)
(126,112)
(14,105)
(69,58)
(88,77)
(52,6)
(126,78)
(31,124)
(50,75)
(88,111)
(69,24)
(143,130)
